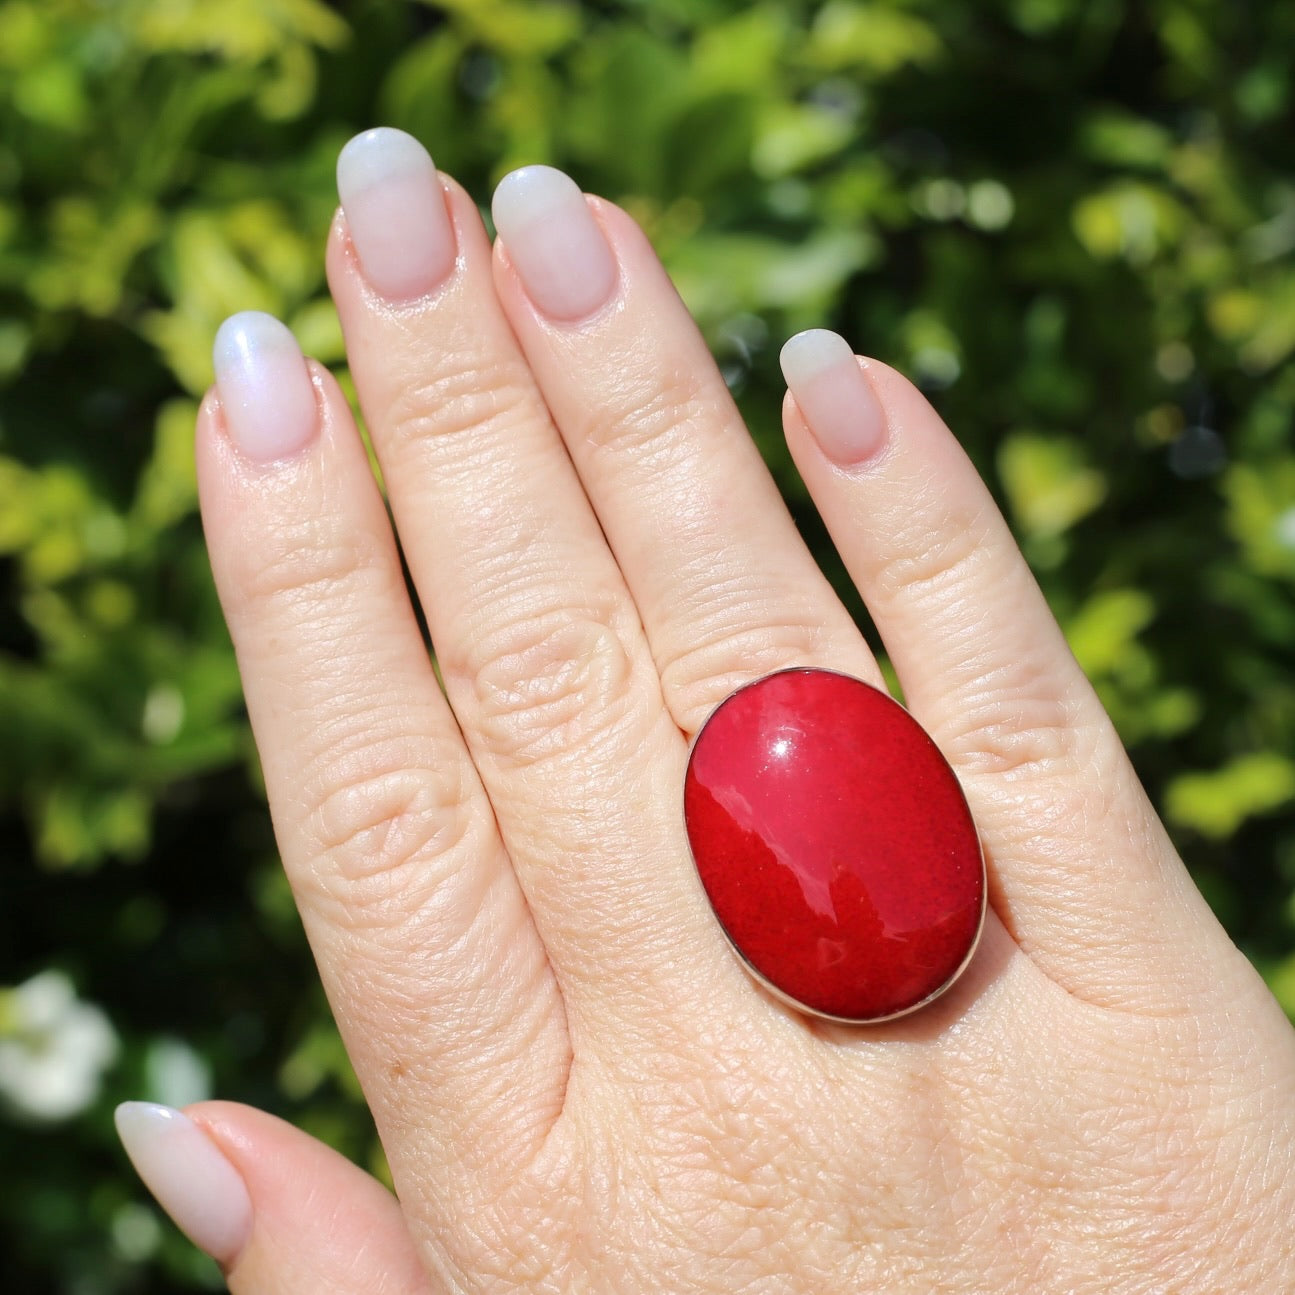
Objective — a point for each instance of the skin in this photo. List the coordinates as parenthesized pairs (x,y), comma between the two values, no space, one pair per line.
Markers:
(578,1088)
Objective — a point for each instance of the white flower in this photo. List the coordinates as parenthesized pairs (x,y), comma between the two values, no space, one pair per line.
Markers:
(54,1048)
(174,1074)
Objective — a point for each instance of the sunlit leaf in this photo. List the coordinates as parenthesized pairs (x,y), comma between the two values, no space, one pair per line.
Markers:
(1048,482)
(1106,628)
(874,37)
(1216,804)
(1261,513)
(1135,222)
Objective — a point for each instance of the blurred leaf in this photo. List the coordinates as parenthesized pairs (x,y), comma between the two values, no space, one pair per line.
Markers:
(251,30)
(535,28)
(721,275)
(1261,513)
(51,94)
(631,88)
(168,487)
(1106,629)
(727,123)
(1216,804)
(1049,485)
(1134,221)
(318,1058)
(792,137)
(92,251)
(876,38)
(78,825)
(249,257)
(1123,140)
(1281,980)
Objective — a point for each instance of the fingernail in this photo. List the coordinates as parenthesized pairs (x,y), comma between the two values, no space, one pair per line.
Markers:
(265,388)
(190,1179)
(395,210)
(837,401)
(555,244)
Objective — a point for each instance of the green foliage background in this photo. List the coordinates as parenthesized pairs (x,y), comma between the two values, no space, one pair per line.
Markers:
(1071,220)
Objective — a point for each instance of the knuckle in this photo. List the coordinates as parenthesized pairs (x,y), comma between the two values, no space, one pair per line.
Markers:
(934,557)
(387,837)
(547,683)
(1053,822)
(375,824)
(311,563)
(735,649)
(467,394)
(656,412)
(1013,727)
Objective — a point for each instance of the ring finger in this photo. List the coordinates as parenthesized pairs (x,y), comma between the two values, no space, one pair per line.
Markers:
(727,589)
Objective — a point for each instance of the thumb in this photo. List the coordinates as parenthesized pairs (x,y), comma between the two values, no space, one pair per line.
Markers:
(280,1212)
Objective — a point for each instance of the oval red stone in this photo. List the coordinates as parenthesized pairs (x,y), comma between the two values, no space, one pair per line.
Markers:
(834,844)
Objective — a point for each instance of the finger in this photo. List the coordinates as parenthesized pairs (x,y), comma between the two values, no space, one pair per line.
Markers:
(726,588)
(281,1213)
(1083,875)
(436,975)
(536,635)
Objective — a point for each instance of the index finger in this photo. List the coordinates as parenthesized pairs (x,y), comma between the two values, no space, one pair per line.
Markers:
(440,985)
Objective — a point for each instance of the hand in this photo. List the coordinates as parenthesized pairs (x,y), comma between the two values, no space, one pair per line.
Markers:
(577,1085)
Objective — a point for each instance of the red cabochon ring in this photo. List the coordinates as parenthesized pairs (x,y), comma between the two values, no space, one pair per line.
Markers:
(835,846)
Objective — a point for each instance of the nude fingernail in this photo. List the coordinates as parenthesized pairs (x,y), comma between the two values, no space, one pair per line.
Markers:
(395,211)
(555,244)
(837,401)
(190,1179)
(265,389)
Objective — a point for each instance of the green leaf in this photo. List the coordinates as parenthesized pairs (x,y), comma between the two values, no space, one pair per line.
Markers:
(1106,628)
(720,275)
(792,137)
(530,28)
(248,30)
(1261,513)
(1131,221)
(877,39)
(168,486)
(1122,139)
(1049,484)
(1281,980)
(1216,804)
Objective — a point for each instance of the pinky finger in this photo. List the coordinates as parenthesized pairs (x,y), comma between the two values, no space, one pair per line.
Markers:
(281,1213)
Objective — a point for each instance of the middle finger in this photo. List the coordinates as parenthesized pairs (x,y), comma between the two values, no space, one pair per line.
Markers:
(537,637)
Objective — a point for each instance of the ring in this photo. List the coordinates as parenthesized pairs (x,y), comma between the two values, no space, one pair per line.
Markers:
(835,846)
